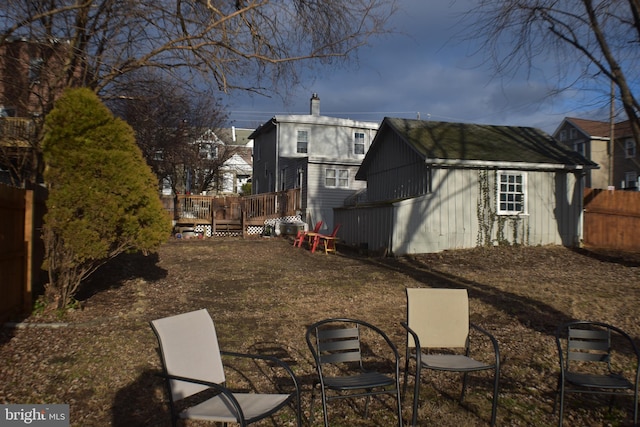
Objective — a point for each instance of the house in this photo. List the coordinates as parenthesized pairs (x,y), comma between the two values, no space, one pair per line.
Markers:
(318,154)
(619,165)
(33,74)
(219,163)
(433,186)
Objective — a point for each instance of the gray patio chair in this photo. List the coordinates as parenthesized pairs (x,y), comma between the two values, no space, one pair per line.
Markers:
(344,371)
(586,352)
(439,319)
(192,364)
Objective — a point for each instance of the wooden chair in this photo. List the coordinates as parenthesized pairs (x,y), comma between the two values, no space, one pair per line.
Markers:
(328,242)
(302,235)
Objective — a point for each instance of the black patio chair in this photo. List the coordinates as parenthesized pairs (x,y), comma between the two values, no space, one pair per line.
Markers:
(586,353)
(344,371)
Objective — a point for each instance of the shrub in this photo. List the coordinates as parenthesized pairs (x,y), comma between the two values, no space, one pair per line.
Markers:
(103,198)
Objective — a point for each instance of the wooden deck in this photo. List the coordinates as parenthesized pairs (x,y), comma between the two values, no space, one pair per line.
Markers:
(234,214)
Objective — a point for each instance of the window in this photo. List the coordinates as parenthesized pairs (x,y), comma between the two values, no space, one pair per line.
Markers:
(337,178)
(358,143)
(563,135)
(630,180)
(511,193)
(303,141)
(35,70)
(579,147)
(629,148)
(573,133)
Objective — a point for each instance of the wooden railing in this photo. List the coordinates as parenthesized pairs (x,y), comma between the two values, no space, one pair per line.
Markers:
(272,205)
(204,209)
(16,129)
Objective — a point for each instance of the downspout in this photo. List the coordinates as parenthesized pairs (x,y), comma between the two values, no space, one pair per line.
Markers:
(582,174)
(276,172)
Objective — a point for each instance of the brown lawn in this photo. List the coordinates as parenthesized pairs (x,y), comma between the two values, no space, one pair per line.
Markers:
(263,293)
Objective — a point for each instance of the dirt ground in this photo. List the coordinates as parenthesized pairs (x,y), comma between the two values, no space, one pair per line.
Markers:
(263,293)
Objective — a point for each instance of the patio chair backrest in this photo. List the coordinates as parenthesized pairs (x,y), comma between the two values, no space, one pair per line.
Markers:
(189,347)
(440,317)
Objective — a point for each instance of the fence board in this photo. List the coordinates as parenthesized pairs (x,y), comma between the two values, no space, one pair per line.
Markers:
(612,219)
(13,251)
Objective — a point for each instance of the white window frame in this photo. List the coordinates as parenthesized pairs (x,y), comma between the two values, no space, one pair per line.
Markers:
(359,142)
(336,178)
(512,193)
(629,148)
(299,143)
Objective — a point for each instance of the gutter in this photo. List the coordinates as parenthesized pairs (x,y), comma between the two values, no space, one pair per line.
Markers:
(506,165)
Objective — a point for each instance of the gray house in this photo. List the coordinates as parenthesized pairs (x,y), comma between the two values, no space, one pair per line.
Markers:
(433,186)
(318,154)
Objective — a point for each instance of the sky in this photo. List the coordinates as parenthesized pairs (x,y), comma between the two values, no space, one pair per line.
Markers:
(423,70)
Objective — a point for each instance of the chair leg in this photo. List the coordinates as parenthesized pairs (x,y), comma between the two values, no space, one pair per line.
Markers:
(399,403)
(464,386)
(324,408)
(494,406)
(561,411)
(416,397)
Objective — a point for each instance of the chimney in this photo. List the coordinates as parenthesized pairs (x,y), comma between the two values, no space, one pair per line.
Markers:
(315,105)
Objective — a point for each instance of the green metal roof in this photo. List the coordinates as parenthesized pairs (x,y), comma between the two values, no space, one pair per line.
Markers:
(472,142)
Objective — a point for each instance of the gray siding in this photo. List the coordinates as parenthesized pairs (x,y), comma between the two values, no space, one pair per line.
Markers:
(321,200)
(396,172)
(461,214)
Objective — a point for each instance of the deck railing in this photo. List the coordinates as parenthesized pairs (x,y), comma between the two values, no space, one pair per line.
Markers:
(203,209)
(17,129)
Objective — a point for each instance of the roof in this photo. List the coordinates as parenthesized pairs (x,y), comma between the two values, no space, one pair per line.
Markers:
(463,144)
(596,128)
(309,119)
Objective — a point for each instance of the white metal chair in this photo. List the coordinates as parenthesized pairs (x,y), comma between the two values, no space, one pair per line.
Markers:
(586,351)
(439,319)
(192,364)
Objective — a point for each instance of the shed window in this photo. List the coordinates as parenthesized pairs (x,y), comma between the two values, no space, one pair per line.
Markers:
(512,196)
(337,178)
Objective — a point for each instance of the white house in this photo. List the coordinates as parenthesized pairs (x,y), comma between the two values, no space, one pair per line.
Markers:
(318,154)
(433,186)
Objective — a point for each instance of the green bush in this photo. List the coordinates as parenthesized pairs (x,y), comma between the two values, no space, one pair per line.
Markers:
(103,198)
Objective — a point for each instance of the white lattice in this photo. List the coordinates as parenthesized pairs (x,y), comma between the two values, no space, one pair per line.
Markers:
(204,229)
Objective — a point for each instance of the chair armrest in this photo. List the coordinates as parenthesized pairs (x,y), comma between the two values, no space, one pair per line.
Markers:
(416,341)
(218,387)
(272,359)
(494,342)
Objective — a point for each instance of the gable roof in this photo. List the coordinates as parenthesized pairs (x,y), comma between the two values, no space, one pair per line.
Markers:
(596,128)
(473,145)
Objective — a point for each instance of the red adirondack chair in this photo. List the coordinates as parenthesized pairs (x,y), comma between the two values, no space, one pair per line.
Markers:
(302,235)
(329,242)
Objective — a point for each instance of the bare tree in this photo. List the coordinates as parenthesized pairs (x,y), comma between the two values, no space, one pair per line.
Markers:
(589,38)
(177,130)
(254,45)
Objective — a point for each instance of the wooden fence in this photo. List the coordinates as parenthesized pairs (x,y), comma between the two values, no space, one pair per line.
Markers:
(612,219)
(21,249)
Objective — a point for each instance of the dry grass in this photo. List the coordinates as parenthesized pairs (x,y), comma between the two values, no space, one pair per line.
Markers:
(263,293)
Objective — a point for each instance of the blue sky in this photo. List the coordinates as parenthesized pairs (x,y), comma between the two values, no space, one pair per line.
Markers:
(424,70)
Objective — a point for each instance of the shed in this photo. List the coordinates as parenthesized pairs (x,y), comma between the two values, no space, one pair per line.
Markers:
(433,186)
